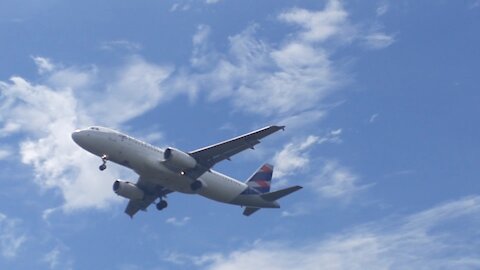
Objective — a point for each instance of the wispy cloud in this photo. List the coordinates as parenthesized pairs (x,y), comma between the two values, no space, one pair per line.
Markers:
(474,4)
(379,40)
(121,44)
(432,239)
(180,7)
(212,1)
(44,65)
(320,25)
(283,79)
(11,237)
(335,181)
(303,119)
(8,127)
(332,136)
(4,153)
(185,259)
(293,157)
(177,221)
(373,118)
(58,259)
(382,8)
(296,210)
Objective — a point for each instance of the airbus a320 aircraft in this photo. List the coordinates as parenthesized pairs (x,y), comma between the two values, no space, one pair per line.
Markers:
(163,171)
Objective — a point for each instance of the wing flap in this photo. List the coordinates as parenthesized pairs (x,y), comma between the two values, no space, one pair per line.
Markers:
(136,205)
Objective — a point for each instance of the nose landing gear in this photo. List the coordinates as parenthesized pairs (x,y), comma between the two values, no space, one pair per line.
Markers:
(104,163)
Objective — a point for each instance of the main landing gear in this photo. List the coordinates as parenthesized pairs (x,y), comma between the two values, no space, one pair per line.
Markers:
(104,163)
(162,204)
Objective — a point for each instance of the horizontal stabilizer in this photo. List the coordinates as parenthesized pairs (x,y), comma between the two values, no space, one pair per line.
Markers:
(275,195)
(250,210)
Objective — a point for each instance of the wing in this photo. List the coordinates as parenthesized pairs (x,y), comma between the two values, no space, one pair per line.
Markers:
(208,156)
(152,192)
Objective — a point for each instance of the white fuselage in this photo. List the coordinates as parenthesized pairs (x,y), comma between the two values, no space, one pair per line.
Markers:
(148,161)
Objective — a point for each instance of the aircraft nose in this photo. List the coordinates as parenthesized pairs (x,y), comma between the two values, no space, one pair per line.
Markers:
(76,136)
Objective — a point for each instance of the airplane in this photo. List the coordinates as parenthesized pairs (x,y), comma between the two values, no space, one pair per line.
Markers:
(163,171)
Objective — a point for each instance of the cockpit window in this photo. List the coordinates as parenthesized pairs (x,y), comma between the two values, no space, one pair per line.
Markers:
(94,128)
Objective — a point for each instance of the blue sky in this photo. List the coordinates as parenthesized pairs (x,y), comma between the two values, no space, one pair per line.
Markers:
(380,99)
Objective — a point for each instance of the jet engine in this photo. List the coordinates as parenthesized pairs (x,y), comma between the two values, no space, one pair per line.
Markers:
(179,159)
(128,190)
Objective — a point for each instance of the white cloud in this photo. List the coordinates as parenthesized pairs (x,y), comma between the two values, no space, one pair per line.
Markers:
(50,116)
(212,1)
(296,210)
(11,239)
(184,259)
(201,58)
(180,7)
(321,25)
(335,182)
(122,93)
(80,80)
(373,118)
(286,78)
(48,113)
(293,157)
(121,44)
(378,40)
(382,9)
(4,153)
(444,237)
(153,137)
(57,258)
(332,136)
(301,120)
(474,4)
(51,258)
(178,222)
(302,76)
(8,127)
(44,65)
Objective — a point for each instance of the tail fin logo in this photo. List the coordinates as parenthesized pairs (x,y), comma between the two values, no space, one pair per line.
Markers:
(260,181)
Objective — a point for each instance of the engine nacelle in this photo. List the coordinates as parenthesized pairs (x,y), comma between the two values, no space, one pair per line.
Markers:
(128,190)
(179,159)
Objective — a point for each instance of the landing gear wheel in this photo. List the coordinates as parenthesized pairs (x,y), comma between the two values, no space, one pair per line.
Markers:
(161,205)
(196,185)
(104,163)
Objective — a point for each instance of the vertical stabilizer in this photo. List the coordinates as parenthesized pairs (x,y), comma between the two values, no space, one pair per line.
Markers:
(261,179)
